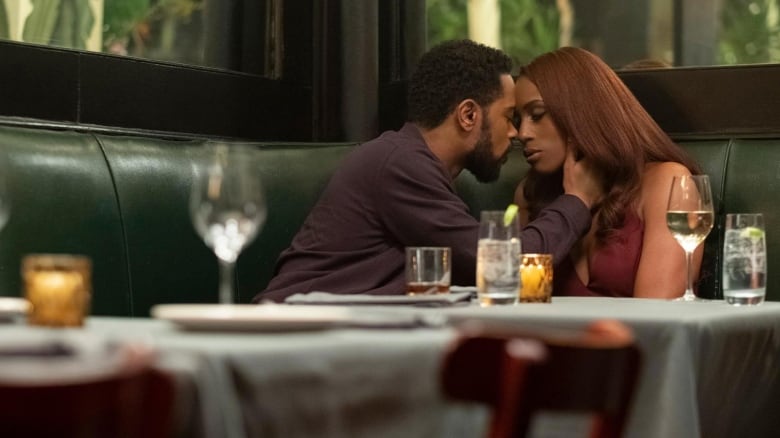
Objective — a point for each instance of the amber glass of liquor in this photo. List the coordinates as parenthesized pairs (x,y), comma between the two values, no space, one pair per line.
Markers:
(428,270)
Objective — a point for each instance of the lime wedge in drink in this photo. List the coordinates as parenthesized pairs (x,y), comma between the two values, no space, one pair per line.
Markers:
(509,214)
(752,232)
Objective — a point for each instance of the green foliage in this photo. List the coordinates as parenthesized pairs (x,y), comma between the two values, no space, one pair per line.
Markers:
(528,27)
(74,24)
(749,32)
(134,23)
(40,23)
(4,32)
(447,20)
(177,8)
(64,23)
(121,16)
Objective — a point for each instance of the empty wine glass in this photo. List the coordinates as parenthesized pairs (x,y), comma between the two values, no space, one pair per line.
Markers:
(227,206)
(689,216)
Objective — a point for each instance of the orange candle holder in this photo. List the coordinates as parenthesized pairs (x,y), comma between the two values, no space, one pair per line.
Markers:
(58,287)
(536,278)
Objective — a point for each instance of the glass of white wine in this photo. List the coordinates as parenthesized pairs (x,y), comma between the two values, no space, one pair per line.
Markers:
(689,216)
(227,206)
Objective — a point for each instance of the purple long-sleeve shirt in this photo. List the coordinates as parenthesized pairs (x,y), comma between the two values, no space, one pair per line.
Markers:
(390,193)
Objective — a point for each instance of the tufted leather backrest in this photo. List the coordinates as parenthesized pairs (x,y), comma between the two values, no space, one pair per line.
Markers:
(167,261)
(62,201)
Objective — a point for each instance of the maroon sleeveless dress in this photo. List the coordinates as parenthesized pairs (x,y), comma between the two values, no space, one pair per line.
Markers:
(612,266)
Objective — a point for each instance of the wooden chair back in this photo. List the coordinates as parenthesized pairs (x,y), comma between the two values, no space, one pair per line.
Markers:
(132,402)
(521,373)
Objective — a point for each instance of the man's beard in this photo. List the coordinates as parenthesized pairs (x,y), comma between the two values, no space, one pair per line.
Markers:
(480,162)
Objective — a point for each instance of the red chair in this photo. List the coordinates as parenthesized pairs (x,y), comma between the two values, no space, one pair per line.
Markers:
(135,401)
(519,373)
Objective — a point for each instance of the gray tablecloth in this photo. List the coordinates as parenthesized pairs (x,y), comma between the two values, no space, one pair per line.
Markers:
(709,369)
(324,383)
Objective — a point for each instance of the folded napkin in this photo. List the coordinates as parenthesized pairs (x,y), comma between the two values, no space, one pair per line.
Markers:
(435,300)
(53,348)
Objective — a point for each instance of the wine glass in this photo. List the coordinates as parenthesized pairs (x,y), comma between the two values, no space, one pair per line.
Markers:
(227,206)
(689,216)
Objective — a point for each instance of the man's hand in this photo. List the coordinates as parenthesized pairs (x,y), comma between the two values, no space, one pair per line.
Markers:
(581,181)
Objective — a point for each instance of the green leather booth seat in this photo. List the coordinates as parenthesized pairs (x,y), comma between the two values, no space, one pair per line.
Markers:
(167,261)
(123,200)
(62,200)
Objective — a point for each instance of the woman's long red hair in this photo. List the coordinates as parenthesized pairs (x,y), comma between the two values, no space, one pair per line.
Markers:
(594,109)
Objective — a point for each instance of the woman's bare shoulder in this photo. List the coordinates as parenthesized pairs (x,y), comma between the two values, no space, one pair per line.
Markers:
(664,170)
(656,181)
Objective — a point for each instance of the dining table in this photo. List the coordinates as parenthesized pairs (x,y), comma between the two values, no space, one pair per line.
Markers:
(708,368)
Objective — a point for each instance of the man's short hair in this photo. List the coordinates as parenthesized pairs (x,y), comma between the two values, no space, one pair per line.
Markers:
(450,73)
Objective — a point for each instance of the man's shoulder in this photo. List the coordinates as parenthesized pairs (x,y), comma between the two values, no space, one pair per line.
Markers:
(393,141)
(390,147)
(386,143)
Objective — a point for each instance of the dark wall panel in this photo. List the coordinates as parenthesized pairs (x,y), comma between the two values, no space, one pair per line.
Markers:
(140,94)
(85,88)
(38,82)
(710,101)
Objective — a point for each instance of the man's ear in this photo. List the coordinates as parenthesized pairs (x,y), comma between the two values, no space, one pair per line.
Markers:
(468,113)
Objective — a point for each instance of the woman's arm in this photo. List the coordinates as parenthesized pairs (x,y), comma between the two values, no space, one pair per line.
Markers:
(662,270)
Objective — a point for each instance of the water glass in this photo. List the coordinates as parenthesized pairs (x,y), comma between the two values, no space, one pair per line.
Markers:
(428,270)
(498,259)
(744,259)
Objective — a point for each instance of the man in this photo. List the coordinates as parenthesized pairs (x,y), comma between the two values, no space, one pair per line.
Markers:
(397,190)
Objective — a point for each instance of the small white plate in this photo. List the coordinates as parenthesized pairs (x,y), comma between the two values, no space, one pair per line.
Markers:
(13,306)
(252,317)
(432,300)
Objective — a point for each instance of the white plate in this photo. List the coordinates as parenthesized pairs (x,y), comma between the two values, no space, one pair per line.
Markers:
(13,306)
(252,317)
(433,300)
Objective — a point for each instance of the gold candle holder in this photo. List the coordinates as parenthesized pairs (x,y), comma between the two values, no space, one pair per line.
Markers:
(58,287)
(536,278)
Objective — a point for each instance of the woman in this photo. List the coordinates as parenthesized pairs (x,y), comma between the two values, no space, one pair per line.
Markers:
(569,99)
